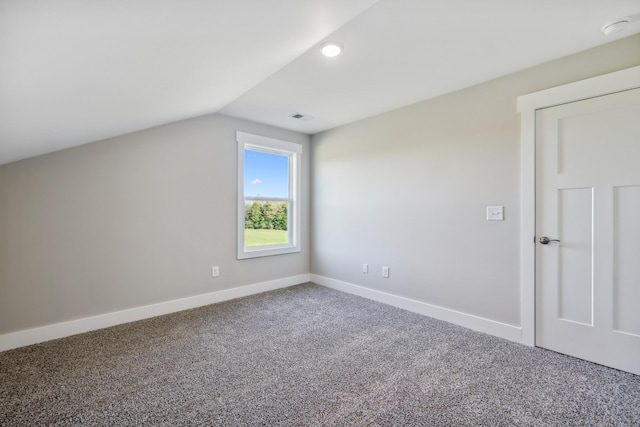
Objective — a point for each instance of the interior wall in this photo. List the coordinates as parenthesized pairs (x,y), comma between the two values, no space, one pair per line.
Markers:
(130,221)
(408,189)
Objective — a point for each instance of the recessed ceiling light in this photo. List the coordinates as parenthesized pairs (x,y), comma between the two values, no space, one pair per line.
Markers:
(331,49)
(615,27)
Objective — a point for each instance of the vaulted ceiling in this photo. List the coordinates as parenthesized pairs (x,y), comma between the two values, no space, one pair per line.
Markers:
(78,71)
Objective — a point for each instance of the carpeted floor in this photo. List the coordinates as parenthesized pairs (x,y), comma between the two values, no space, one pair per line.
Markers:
(305,355)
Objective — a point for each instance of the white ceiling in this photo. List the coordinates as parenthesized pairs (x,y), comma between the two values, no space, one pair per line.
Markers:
(78,71)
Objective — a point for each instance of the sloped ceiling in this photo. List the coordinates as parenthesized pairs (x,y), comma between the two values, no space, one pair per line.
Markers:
(78,71)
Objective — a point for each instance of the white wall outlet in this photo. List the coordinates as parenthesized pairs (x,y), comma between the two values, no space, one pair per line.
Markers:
(385,272)
(495,213)
(365,268)
(215,271)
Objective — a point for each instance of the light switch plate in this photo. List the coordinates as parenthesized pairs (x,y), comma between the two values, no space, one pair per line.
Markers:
(495,213)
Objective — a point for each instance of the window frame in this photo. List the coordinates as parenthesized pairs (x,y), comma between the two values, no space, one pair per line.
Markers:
(272,146)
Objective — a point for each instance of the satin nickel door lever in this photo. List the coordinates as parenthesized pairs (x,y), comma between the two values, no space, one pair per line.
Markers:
(545,240)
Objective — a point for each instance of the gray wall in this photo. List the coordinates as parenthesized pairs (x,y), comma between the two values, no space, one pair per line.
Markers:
(141,218)
(129,221)
(408,189)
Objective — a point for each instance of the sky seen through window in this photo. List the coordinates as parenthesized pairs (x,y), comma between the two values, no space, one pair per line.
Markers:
(266,174)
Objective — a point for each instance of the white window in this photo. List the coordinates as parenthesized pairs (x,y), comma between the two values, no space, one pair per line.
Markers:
(268,196)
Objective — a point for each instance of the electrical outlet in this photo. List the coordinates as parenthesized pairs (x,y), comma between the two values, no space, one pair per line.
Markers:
(215,271)
(365,268)
(385,272)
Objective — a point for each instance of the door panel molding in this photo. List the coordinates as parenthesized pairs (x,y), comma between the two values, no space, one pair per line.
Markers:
(527,106)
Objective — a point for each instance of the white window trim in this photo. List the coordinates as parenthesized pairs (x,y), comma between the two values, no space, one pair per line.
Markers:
(276,146)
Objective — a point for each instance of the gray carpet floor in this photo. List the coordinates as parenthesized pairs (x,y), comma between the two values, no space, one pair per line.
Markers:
(305,356)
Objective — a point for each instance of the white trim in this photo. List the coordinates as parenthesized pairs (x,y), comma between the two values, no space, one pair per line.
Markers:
(528,227)
(481,324)
(294,152)
(73,327)
(589,88)
(527,106)
(262,141)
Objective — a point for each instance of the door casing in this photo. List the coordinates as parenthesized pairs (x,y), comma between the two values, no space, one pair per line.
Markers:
(527,105)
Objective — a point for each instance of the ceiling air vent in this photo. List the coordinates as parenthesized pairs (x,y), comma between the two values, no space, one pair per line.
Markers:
(300,116)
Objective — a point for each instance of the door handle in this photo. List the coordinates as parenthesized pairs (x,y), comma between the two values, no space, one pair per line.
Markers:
(545,240)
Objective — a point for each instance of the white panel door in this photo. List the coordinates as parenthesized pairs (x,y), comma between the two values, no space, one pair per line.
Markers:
(588,198)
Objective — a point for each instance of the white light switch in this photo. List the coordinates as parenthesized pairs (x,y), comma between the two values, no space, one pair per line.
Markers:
(495,213)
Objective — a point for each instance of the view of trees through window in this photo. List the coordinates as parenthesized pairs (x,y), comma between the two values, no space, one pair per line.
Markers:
(266,176)
(265,223)
(266,216)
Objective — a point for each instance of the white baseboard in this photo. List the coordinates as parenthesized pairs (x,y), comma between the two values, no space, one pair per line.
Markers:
(73,327)
(502,330)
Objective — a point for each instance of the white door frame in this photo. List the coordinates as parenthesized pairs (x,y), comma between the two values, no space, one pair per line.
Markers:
(527,105)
